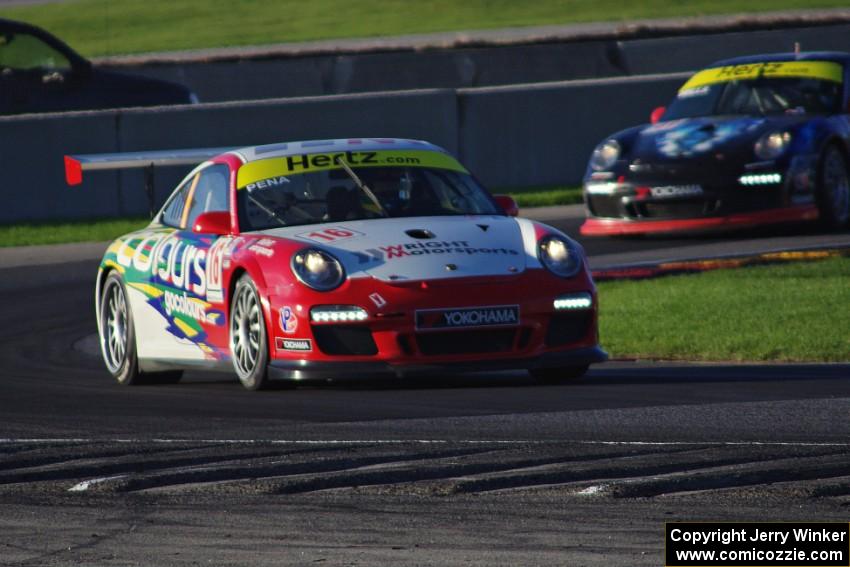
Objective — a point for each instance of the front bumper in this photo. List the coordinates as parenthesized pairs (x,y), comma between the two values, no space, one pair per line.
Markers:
(391,338)
(613,227)
(657,198)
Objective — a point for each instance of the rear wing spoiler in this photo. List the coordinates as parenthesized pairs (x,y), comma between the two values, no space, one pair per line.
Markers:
(75,165)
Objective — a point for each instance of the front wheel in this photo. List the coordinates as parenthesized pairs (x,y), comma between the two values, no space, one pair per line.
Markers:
(558,375)
(833,194)
(248,337)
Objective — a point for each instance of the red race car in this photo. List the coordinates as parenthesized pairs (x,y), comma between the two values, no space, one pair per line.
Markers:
(346,257)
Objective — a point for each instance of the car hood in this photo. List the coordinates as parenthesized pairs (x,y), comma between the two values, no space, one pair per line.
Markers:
(705,136)
(417,248)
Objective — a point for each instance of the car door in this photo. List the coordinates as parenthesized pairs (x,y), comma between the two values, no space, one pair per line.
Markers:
(192,327)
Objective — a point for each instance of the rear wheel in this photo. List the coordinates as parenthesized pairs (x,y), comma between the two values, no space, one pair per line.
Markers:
(833,195)
(118,338)
(558,375)
(248,337)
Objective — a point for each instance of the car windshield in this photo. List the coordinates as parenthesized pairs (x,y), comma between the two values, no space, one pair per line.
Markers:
(758,97)
(334,195)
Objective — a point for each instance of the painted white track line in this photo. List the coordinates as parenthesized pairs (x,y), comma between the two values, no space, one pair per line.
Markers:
(85,485)
(81,440)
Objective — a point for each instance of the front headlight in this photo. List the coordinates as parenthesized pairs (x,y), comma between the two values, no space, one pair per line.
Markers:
(559,256)
(773,145)
(605,155)
(317,269)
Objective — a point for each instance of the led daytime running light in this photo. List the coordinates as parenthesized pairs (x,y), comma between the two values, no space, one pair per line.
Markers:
(338,314)
(573,302)
(760,179)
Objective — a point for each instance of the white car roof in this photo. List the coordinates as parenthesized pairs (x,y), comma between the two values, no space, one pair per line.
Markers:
(252,153)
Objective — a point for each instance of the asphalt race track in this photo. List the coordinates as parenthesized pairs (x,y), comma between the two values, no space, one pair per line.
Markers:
(481,469)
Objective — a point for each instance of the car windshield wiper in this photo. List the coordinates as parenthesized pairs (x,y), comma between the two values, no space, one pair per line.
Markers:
(265,209)
(362,186)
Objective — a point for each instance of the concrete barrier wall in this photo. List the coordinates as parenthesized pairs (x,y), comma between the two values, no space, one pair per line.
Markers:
(315,75)
(471,67)
(544,134)
(509,136)
(31,151)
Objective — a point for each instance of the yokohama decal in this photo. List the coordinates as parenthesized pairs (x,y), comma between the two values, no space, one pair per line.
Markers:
(491,316)
(298,345)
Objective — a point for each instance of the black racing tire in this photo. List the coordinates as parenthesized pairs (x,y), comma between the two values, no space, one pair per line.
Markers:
(559,375)
(833,189)
(117,334)
(248,336)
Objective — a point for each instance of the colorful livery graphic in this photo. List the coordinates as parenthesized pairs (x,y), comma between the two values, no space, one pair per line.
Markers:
(337,257)
(746,142)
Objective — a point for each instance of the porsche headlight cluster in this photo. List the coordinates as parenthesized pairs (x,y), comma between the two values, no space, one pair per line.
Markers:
(773,145)
(317,269)
(605,155)
(559,256)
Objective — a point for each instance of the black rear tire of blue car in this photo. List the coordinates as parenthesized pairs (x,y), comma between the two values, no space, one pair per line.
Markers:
(558,375)
(833,189)
(248,337)
(117,334)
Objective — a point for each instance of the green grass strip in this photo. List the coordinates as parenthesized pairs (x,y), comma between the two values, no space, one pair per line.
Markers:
(789,312)
(96,230)
(108,27)
(545,196)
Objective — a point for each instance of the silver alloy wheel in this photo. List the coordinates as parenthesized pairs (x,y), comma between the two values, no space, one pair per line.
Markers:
(245,331)
(114,322)
(837,185)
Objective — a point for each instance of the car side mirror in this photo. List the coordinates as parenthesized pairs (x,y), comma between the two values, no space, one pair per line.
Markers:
(508,204)
(657,114)
(212,222)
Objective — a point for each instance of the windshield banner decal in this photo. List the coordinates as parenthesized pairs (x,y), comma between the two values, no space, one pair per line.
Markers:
(823,70)
(263,171)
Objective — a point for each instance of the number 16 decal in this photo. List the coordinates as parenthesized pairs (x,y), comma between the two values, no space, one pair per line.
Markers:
(331,234)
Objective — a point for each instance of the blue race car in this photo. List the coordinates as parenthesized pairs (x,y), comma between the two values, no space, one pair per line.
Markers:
(746,142)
